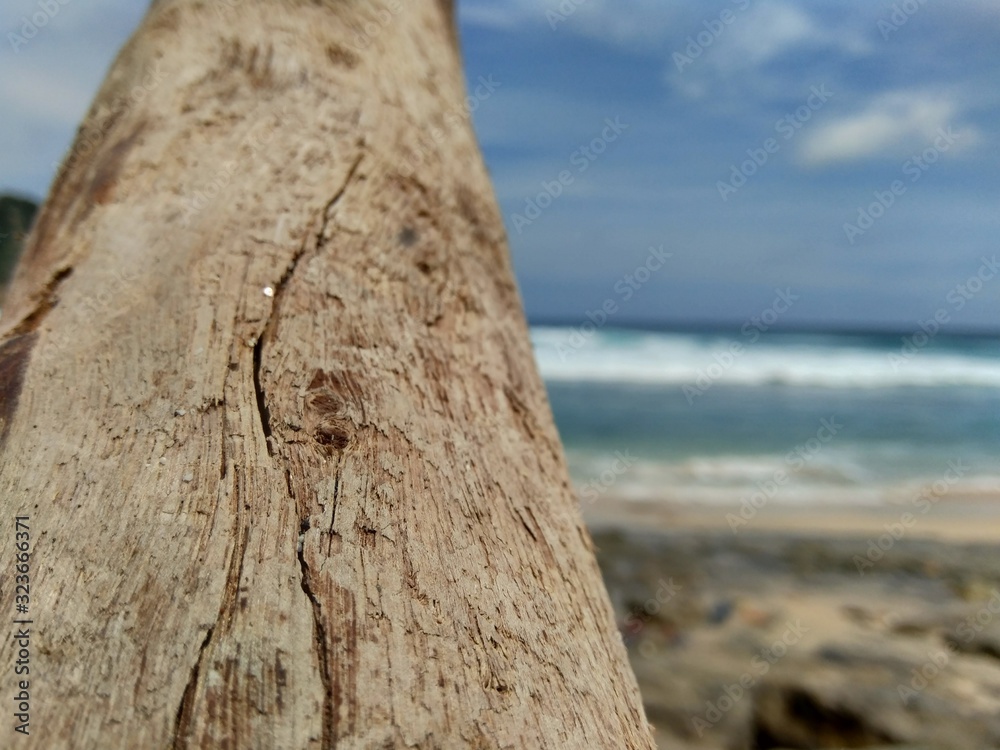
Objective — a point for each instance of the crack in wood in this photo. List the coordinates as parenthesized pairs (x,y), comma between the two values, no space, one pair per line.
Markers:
(223,458)
(322,650)
(184,711)
(320,641)
(267,333)
(230,597)
(333,511)
(262,410)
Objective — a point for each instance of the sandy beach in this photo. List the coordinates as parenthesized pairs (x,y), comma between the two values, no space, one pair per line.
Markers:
(818,627)
(967,517)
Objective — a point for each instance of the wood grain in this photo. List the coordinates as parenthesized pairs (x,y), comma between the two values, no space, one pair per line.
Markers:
(291,471)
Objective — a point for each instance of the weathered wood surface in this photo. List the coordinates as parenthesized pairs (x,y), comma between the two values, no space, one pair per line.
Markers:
(268,397)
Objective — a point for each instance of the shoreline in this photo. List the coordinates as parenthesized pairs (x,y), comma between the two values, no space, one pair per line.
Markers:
(963,519)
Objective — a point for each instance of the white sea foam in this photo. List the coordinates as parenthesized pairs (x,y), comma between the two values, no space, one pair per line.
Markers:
(728,480)
(679,359)
(829,468)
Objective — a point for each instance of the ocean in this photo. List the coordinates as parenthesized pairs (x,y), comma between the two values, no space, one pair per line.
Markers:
(790,418)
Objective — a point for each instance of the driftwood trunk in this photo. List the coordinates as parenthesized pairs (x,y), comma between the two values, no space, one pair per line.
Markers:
(270,409)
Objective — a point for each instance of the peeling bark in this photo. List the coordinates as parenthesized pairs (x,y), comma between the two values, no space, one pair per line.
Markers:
(268,397)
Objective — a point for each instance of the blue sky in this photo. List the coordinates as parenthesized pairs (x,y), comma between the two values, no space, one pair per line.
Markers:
(842,151)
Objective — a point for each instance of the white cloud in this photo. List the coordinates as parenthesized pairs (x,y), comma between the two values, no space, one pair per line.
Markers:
(766,32)
(628,24)
(637,25)
(891,125)
(737,56)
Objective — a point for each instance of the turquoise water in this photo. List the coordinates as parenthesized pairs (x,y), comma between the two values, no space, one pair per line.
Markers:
(709,418)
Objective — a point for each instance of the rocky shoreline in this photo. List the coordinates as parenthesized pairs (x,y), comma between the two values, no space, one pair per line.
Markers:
(784,640)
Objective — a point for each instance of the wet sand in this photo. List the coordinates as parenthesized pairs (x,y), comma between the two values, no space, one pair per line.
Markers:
(830,627)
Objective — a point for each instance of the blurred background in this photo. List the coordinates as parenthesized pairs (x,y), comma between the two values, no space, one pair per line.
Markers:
(757,244)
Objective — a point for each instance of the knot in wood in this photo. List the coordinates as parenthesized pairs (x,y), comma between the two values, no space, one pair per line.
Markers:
(327,407)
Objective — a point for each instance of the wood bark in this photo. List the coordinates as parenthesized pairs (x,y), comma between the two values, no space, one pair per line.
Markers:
(268,399)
